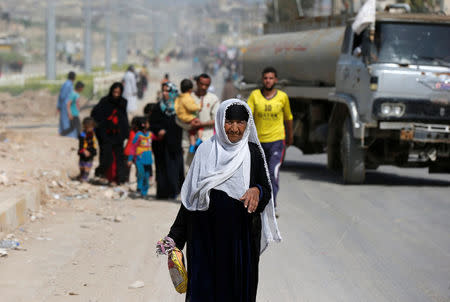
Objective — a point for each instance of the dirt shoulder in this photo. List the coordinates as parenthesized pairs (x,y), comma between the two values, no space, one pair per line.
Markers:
(86,241)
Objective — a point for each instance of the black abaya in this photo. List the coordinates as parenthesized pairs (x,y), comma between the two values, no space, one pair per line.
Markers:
(111,130)
(168,154)
(223,243)
(169,170)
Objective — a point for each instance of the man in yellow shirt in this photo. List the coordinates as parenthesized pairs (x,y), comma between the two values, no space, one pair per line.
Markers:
(273,120)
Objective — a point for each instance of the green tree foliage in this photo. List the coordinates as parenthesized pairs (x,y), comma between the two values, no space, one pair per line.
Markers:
(7,57)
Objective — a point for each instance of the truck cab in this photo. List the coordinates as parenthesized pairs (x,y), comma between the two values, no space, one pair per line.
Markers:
(392,97)
(381,97)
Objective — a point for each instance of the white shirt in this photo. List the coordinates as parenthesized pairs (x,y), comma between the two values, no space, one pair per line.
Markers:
(210,105)
(130,90)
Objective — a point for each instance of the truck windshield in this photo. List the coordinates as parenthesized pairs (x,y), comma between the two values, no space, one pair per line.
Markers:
(406,43)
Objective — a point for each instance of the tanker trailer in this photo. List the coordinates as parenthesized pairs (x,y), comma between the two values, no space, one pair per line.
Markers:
(306,66)
(306,58)
(375,98)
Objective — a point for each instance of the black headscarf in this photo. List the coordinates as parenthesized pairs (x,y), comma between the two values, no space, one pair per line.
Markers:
(107,106)
(119,101)
(236,112)
(114,86)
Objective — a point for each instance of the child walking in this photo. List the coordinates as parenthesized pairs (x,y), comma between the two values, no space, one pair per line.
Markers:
(73,107)
(142,156)
(129,148)
(187,110)
(87,148)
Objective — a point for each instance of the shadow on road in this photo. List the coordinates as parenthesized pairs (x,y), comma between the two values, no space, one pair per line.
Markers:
(311,171)
(319,172)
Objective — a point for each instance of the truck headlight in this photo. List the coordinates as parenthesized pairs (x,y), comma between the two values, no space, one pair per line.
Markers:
(398,110)
(386,109)
(392,109)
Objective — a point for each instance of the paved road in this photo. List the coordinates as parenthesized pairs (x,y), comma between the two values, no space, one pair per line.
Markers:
(387,240)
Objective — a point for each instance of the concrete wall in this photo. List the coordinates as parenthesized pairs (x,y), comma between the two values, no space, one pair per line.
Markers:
(15,207)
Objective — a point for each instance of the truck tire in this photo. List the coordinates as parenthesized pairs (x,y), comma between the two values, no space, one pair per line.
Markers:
(334,139)
(333,154)
(352,156)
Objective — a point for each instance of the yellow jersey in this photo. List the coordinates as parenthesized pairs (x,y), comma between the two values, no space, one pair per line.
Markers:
(269,115)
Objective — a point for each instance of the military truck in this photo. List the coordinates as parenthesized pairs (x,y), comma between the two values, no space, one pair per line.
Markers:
(378,98)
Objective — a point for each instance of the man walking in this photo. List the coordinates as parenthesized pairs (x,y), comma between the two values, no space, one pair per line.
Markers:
(206,115)
(65,126)
(130,90)
(273,120)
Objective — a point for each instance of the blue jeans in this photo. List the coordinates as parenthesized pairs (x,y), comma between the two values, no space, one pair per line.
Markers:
(143,177)
(274,152)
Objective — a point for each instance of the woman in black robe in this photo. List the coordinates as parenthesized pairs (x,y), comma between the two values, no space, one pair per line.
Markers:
(110,115)
(227,216)
(167,148)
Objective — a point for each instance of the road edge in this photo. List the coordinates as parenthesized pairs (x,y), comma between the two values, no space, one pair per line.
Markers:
(15,207)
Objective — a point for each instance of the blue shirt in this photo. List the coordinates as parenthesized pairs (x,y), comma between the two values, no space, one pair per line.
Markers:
(73,103)
(64,93)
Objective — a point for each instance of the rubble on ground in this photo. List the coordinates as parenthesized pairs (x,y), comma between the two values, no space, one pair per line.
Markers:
(32,153)
(30,105)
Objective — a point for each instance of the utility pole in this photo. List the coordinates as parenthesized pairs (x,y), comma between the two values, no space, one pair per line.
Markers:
(87,36)
(276,11)
(108,37)
(299,9)
(122,45)
(50,45)
(122,48)
(156,35)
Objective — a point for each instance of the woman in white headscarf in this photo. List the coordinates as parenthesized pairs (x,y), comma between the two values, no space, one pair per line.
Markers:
(227,215)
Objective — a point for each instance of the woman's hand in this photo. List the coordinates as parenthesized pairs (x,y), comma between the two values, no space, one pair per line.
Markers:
(251,199)
(161,133)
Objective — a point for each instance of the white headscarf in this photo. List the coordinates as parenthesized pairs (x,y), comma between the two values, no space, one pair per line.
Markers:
(220,164)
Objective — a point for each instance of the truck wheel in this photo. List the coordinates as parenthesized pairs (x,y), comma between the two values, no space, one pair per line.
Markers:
(334,139)
(333,154)
(352,156)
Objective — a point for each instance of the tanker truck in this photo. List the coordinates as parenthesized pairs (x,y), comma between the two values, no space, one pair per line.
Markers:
(381,97)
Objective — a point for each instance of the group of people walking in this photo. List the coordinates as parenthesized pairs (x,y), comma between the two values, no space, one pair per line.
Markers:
(234,149)
(68,107)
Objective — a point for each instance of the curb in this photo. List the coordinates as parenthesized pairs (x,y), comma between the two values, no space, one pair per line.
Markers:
(15,205)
